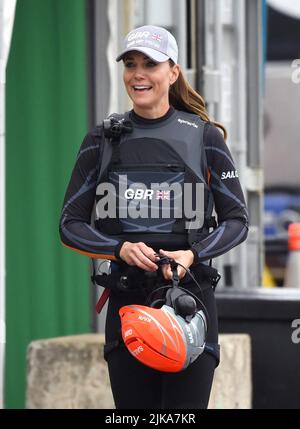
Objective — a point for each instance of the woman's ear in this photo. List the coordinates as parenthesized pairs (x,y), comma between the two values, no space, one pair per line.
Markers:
(175,71)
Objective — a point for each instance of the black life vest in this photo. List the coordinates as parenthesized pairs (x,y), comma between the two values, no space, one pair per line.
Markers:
(151,182)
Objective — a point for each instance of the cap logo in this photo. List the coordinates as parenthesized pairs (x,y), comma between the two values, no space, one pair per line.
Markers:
(138,35)
(157,37)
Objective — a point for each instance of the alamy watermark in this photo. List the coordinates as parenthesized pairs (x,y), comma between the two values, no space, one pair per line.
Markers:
(132,200)
(296,331)
(296,72)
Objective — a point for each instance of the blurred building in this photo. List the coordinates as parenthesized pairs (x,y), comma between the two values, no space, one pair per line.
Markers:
(281,131)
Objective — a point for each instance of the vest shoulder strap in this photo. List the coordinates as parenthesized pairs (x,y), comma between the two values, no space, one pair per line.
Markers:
(105,147)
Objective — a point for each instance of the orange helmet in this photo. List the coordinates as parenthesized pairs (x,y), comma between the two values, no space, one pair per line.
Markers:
(162,339)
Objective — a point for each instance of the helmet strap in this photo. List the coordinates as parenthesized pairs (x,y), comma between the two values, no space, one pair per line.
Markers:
(175,278)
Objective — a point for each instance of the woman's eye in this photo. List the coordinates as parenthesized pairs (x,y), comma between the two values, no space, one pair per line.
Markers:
(129,64)
(151,64)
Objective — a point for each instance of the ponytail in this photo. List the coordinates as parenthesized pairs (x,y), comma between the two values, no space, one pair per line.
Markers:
(183,97)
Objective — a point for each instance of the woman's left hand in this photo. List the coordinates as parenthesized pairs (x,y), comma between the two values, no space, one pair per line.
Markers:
(184,257)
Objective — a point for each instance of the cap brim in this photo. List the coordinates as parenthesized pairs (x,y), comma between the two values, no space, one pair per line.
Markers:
(156,56)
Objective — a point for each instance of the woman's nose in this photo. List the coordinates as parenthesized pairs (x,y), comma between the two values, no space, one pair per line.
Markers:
(139,74)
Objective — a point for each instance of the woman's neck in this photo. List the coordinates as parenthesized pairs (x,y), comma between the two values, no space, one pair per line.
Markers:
(152,113)
(142,120)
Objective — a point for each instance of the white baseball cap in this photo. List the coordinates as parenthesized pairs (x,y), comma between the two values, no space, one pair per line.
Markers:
(155,42)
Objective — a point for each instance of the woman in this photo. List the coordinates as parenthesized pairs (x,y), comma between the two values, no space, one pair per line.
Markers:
(174,143)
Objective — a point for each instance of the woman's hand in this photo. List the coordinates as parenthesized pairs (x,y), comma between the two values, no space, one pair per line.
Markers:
(139,254)
(184,257)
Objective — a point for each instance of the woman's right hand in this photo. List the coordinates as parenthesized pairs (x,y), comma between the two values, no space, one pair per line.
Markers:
(139,254)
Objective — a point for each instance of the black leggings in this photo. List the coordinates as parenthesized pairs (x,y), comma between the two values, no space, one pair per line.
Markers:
(135,385)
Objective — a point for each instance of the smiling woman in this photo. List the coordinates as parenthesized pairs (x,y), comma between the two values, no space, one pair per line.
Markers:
(173,145)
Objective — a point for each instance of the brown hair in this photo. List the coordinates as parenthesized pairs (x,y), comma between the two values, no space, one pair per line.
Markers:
(183,97)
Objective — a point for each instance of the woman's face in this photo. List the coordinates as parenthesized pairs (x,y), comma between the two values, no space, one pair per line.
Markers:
(147,84)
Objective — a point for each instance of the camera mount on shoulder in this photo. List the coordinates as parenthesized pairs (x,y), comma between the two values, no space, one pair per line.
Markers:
(116,125)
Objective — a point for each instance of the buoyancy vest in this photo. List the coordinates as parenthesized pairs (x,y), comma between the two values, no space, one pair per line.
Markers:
(153,186)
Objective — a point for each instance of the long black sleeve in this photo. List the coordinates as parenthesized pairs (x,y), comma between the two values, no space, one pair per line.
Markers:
(75,227)
(228,197)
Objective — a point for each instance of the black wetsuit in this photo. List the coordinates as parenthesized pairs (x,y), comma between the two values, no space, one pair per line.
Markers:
(133,384)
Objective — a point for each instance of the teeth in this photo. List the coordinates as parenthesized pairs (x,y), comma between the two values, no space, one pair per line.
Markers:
(142,87)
